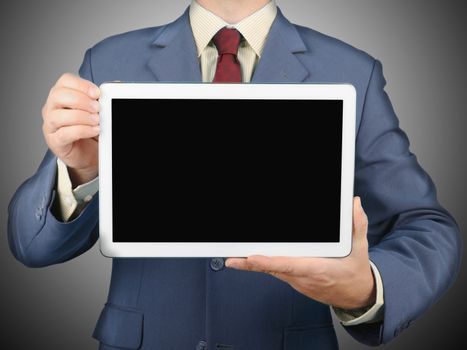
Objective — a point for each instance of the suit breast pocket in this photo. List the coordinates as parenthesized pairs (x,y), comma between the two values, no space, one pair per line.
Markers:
(119,327)
(321,337)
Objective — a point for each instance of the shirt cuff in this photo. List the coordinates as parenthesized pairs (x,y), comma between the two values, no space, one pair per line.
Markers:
(369,314)
(72,201)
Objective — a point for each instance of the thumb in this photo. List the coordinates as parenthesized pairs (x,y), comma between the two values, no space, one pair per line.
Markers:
(360,221)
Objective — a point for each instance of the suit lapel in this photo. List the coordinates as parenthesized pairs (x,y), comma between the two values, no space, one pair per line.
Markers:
(174,57)
(278,63)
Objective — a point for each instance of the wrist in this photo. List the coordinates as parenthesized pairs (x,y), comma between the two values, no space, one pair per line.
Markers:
(82,175)
(369,293)
(360,292)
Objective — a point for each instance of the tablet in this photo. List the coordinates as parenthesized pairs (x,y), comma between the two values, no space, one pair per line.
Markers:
(226,170)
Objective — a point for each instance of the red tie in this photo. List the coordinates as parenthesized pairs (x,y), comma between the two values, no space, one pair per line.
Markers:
(228,67)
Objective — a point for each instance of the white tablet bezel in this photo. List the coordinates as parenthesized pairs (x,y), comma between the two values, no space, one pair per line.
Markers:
(109,91)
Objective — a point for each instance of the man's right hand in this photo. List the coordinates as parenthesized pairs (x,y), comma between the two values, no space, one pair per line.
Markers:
(71,126)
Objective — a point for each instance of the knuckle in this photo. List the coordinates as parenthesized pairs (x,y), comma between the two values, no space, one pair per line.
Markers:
(64,78)
(365,219)
(60,136)
(51,123)
(53,95)
(45,110)
(51,91)
(364,224)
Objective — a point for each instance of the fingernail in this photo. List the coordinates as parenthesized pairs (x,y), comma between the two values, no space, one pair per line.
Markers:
(95,106)
(94,91)
(95,118)
(97,129)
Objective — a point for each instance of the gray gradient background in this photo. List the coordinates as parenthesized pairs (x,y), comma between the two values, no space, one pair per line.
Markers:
(423,49)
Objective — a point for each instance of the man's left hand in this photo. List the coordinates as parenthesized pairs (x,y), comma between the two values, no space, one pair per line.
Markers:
(347,283)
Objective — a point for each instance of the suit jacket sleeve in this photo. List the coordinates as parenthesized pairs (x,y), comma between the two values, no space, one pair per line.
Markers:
(414,242)
(35,236)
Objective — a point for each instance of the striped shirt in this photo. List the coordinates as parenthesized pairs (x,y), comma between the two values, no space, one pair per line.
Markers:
(254,30)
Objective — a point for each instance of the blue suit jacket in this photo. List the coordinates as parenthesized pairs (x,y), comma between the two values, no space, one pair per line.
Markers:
(176,303)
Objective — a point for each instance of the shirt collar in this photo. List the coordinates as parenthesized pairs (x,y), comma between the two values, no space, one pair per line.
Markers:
(254,28)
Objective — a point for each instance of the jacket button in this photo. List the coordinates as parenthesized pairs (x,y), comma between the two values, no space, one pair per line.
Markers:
(202,345)
(38,214)
(216,264)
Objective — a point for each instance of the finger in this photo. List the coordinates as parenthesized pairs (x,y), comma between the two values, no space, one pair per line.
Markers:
(238,264)
(360,220)
(74,82)
(243,264)
(72,99)
(65,117)
(69,134)
(273,265)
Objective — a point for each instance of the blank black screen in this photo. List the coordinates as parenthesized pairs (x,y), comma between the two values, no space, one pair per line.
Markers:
(226,170)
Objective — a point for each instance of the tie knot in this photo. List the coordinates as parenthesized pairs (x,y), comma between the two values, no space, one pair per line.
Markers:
(227,41)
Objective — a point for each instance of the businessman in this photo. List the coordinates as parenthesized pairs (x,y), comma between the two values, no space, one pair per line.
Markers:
(406,247)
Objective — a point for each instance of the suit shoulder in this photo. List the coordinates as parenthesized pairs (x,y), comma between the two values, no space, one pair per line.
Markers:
(123,56)
(339,50)
(128,40)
